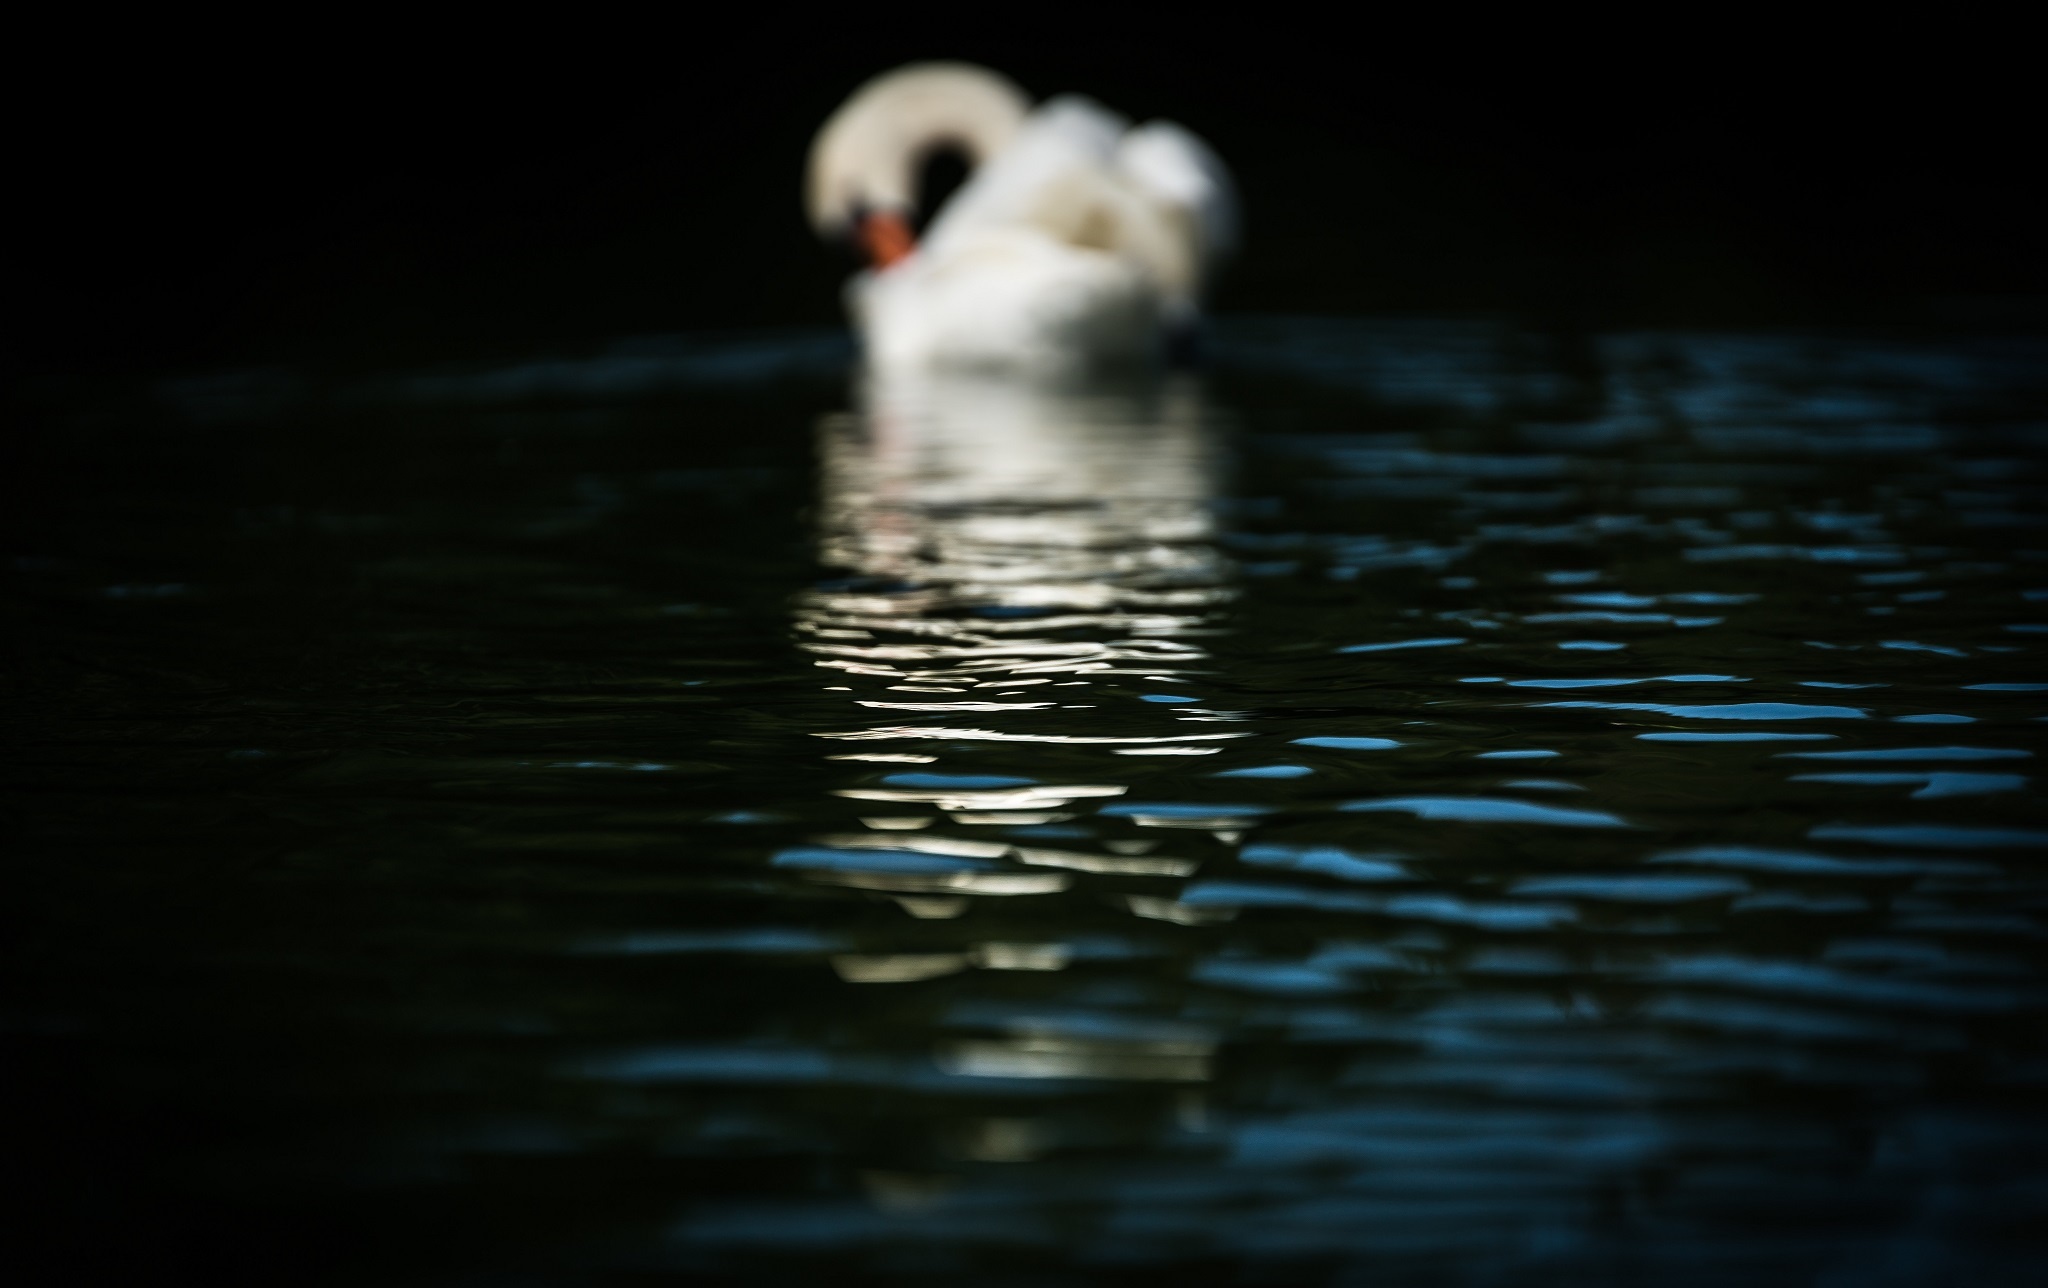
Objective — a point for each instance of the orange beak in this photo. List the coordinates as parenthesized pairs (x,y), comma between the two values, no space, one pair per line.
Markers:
(885,237)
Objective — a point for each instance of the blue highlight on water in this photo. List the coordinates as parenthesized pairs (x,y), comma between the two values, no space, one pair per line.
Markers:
(909,861)
(1295,979)
(754,939)
(1931,785)
(963,782)
(1809,863)
(1934,835)
(1326,860)
(1631,887)
(1441,908)
(1266,771)
(1173,809)
(640,767)
(1610,682)
(1348,743)
(1481,809)
(1606,599)
(1441,642)
(1727,711)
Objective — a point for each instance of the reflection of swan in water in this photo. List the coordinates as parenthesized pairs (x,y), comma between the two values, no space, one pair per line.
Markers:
(1011,534)
(990,503)
(1077,239)
(1013,544)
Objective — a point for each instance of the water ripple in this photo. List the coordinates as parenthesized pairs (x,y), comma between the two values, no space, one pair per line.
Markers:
(748,824)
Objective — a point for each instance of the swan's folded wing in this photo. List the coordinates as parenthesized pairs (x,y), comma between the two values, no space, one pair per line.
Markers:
(1064,152)
(1174,167)
(1061,178)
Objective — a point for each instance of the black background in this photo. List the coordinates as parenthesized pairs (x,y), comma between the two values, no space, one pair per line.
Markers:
(343,186)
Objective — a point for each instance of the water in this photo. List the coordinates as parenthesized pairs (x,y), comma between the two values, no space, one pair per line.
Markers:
(1417,803)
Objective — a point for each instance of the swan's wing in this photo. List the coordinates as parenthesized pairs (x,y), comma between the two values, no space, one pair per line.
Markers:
(1060,179)
(1174,167)
(1067,146)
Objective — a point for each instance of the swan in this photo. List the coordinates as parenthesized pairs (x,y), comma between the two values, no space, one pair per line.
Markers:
(1076,240)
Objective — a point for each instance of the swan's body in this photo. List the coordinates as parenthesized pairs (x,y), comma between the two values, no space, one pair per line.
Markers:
(1076,239)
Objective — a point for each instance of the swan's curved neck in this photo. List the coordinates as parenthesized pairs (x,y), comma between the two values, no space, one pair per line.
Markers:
(865,160)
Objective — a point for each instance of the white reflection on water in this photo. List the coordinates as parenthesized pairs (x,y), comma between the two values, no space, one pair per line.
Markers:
(1029,537)
(985,515)
(1012,542)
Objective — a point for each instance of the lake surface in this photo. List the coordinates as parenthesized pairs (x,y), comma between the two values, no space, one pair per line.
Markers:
(1409,803)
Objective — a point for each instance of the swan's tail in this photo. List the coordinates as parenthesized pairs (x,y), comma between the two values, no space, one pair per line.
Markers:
(1177,168)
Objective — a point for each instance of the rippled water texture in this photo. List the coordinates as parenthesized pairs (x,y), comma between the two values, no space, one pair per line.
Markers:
(1411,804)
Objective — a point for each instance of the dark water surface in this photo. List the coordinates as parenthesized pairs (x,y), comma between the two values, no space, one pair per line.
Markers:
(1417,803)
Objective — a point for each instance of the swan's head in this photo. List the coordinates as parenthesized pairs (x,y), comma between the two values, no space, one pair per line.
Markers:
(863,172)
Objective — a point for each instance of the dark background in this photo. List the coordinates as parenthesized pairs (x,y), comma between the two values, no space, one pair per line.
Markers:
(252,194)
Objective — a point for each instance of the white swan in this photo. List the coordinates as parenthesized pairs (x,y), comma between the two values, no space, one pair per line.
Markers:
(1076,239)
